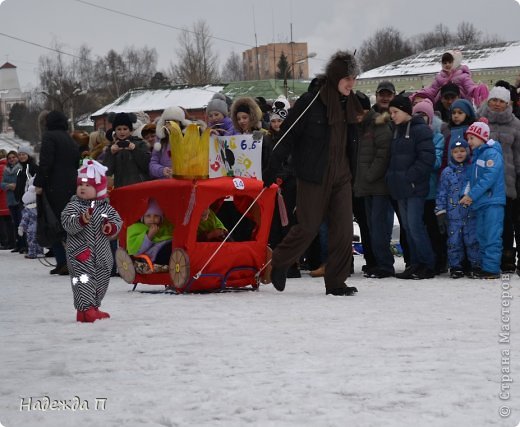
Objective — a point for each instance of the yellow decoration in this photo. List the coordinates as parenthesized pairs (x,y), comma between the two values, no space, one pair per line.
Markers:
(190,152)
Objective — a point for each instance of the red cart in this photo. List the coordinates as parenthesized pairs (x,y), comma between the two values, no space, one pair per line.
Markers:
(194,265)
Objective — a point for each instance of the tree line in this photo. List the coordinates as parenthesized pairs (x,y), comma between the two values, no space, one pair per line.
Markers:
(85,83)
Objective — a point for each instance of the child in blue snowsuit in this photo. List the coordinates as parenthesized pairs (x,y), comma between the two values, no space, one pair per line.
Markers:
(487,198)
(458,221)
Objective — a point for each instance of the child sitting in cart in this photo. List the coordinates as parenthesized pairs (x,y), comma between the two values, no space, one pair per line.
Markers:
(211,228)
(149,241)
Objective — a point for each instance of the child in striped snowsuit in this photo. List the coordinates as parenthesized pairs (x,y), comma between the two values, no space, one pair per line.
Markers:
(90,223)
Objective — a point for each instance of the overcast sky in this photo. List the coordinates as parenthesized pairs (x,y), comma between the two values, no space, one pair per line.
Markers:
(326,25)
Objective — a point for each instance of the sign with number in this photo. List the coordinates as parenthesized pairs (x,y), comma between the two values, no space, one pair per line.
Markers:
(236,155)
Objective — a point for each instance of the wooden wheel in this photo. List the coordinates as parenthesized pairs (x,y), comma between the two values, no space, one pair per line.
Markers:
(125,265)
(265,276)
(179,268)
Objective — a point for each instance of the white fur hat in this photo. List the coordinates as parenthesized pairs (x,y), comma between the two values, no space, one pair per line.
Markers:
(457,57)
(499,92)
(171,114)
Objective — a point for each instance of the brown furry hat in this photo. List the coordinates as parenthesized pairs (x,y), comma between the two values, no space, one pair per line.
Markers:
(340,65)
(246,105)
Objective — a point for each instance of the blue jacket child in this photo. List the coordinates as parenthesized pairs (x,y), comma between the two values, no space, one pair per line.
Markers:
(460,221)
(487,197)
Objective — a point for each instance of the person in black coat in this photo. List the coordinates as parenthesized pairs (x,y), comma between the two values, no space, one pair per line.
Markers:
(412,156)
(318,143)
(29,168)
(57,173)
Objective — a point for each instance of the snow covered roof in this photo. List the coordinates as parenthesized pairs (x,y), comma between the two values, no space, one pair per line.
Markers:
(476,57)
(187,97)
(269,89)
(11,142)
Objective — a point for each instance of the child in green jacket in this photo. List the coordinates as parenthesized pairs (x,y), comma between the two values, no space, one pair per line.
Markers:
(151,238)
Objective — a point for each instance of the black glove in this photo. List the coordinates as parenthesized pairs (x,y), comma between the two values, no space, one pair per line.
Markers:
(442,223)
(269,177)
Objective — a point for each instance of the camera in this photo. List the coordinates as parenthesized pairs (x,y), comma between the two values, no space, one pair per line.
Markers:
(123,144)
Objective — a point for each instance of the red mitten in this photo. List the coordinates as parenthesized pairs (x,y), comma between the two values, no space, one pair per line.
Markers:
(109,229)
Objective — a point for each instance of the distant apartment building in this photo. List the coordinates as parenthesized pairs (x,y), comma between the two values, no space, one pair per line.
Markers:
(261,63)
(10,94)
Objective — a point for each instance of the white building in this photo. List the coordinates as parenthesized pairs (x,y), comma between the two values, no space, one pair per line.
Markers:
(10,94)
(487,62)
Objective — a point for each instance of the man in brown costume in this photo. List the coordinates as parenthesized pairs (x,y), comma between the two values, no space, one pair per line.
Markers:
(318,144)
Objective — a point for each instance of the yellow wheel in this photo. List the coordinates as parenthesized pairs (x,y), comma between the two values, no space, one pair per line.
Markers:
(179,268)
(125,265)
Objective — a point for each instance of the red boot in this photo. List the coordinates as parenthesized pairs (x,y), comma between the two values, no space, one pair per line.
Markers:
(102,314)
(90,315)
(80,316)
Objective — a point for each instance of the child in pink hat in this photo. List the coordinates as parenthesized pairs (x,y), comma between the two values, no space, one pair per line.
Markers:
(90,223)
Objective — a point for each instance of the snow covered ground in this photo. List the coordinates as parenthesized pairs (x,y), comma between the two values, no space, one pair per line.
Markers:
(400,353)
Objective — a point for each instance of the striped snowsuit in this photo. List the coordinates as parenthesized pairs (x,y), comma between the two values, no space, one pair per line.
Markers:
(89,257)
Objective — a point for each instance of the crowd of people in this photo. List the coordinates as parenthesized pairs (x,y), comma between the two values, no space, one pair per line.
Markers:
(444,159)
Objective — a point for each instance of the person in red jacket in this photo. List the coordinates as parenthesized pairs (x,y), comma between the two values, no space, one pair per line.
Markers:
(6,223)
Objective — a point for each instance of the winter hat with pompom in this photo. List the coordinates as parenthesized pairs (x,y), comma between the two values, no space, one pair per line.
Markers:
(280,108)
(173,113)
(93,173)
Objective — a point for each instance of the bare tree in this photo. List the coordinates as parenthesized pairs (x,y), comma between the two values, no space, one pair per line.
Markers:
(83,67)
(428,41)
(140,66)
(384,47)
(233,70)
(467,34)
(110,70)
(197,62)
(443,34)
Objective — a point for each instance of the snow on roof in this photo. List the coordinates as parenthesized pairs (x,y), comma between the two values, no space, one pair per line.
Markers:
(136,100)
(476,57)
(11,142)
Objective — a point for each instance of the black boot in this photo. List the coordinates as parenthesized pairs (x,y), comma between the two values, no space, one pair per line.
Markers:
(278,278)
(456,272)
(60,269)
(342,291)
(508,261)
(423,272)
(408,272)
(294,272)
(482,274)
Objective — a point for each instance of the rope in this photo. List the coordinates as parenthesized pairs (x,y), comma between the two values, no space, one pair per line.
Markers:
(228,235)
(296,121)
